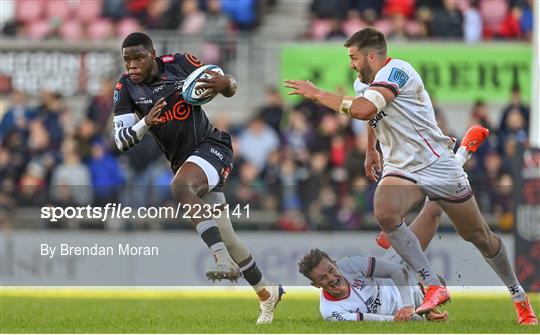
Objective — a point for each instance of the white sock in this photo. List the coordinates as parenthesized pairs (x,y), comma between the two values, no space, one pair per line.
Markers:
(408,247)
(501,265)
(462,155)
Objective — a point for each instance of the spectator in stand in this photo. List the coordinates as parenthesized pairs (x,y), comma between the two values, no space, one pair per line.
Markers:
(242,13)
(50,112)
(515,128)
(114,9)
(272,112)
(162,14)
(32,185)
(398,30)
(324,9)
(403,7)
(17,116)
(256,143)
(297,137)
(527,20)
(503,202)
(217,33)
(472,22)
(336,31)
(193,19)
(369,5)
(70,181)
(516,102)
(510,28)
(480,115)
(107,177)
(100,107)
(447,21)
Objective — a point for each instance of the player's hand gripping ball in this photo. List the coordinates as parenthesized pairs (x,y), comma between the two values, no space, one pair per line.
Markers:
(191,90)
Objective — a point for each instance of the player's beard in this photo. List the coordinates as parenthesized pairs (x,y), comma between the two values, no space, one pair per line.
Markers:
(366,74)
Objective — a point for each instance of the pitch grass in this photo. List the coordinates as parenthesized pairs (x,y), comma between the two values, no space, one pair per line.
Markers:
(206,313)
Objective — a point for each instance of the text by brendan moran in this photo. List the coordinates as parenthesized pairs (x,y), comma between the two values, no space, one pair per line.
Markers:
(120,249)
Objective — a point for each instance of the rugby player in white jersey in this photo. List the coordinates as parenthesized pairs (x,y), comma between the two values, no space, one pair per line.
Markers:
(418,162)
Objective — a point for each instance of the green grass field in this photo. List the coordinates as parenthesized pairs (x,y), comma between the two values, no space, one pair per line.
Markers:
(176,312)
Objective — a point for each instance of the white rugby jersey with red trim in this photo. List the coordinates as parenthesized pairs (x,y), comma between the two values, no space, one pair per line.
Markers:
(367,295)
(406,128)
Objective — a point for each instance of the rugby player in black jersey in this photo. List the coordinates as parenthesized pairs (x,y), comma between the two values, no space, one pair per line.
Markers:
(148,99)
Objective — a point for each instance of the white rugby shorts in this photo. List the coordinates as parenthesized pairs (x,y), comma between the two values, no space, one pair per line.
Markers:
(445,179)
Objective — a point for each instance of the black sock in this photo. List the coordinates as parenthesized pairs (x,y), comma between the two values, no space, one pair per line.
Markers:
(252,274)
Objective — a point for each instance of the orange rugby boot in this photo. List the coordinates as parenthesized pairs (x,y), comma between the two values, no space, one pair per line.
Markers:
(525,313)
(474,137)
(435,296)
(382,240)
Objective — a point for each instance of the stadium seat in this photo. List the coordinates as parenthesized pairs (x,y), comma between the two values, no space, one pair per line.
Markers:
(211,53)
(38,29)
(58,8)
(126,27)
(29,10)
(352,25)
(413,28)
(100,29)
(320,28)
(71,31)
(384,25)
(89,10)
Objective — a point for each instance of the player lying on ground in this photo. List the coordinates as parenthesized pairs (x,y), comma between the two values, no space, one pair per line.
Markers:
(418,160)
(360,288)
(148,98)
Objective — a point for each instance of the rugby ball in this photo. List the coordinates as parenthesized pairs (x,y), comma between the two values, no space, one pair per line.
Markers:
(190,92)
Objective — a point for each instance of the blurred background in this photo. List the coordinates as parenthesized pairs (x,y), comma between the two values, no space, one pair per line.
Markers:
(60,60)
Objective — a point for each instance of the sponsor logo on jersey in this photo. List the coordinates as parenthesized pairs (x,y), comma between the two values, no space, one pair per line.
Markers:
(180,111)
(217,153)
(359,284)
(338,316)
(167,58)
(157,89)
(193,60)
(398,76)
(118,86)
(378,117)
(374,304)
(143,101)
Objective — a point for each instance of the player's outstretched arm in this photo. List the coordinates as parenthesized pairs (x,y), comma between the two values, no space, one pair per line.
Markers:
(128,130)
(358,316)
(362,108)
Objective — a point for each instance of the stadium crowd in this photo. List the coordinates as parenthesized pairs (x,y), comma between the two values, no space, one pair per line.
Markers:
(98,20)
(468,20)
(307,168)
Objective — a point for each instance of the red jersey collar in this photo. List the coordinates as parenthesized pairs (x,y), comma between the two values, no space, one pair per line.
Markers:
(329,297)
(388,59)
